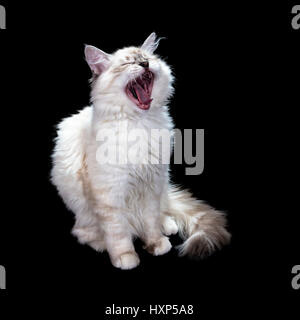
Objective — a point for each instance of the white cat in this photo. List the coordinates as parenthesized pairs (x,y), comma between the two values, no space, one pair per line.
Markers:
(114,203)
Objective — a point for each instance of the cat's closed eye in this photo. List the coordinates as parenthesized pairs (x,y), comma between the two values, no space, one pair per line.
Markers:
(126,63)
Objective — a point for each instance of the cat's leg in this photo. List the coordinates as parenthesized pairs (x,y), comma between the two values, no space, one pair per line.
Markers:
(156,242)
(109,206)
(119,244)
(120,249)
(118,238)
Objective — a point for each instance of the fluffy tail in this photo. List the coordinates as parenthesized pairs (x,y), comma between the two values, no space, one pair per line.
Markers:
(201,226)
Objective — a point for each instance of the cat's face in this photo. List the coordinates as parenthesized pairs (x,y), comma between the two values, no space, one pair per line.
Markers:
(132,77)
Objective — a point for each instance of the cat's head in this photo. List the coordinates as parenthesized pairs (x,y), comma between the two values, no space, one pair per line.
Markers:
(133,77)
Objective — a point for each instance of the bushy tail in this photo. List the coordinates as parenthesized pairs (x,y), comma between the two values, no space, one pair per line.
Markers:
(201,226)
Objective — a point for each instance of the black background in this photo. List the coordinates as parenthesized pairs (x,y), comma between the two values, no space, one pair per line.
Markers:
(236,69)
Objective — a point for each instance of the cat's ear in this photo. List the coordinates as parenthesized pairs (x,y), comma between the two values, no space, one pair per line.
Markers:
(97,59)
(151,43)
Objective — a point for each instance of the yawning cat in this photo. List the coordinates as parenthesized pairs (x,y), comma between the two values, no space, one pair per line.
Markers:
(115,202)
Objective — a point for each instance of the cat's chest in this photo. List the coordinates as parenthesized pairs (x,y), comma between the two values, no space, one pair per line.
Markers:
(135,142)
(131,155)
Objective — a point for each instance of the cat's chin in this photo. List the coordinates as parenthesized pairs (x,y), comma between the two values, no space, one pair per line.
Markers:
(139,90)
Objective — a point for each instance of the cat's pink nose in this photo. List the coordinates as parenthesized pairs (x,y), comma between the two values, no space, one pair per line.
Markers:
(144,64)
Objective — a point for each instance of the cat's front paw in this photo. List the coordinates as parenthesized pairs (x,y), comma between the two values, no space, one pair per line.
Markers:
(126,261)
(169,226)
(160,247)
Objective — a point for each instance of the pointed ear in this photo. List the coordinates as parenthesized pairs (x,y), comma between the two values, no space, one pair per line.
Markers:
(151,43)
(97,59)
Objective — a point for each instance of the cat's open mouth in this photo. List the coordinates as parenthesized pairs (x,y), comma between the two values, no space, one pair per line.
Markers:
(139,90)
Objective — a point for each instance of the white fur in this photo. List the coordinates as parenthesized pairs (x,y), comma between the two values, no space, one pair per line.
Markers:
(113,204)
(169,226)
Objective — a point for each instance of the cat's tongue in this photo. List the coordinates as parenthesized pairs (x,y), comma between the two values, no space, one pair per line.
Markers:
(143,96)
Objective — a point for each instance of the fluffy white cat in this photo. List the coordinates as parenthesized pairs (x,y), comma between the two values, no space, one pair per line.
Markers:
(114,203)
